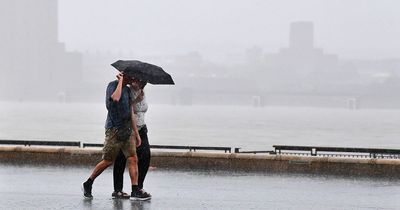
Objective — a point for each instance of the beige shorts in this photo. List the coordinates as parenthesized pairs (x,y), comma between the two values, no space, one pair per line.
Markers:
(112,146)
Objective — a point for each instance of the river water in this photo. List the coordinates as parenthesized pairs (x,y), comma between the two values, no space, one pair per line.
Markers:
(233,126)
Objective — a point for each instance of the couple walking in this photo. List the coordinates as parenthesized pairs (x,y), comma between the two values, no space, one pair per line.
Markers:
(125,138)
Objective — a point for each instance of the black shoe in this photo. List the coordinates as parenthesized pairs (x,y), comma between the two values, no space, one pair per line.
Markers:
(87,190)
(140,195)
(145,193)
(120,195)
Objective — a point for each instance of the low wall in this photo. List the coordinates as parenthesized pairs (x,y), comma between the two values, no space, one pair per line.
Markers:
(389,168)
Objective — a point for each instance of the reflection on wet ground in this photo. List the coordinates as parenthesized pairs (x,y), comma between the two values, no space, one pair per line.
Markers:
(23,187)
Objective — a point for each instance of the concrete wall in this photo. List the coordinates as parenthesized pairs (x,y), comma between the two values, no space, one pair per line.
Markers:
(383,168)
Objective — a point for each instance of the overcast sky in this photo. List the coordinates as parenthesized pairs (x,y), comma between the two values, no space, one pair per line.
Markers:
(351,28)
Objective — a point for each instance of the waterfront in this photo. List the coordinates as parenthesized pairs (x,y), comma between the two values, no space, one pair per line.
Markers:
(234,126)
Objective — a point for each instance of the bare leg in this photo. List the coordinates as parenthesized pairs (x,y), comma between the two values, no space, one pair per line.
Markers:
(100,167)
(133,169)
(87,186)
(136,194)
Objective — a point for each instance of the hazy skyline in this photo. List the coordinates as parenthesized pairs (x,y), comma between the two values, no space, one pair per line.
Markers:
(357,29)
(169,34)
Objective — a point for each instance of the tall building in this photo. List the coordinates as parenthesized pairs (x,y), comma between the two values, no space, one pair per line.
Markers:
(301,35)
(33,63)
(301,61)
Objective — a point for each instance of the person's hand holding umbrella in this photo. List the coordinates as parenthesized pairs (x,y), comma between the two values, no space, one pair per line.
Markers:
(118,91)
(120,76)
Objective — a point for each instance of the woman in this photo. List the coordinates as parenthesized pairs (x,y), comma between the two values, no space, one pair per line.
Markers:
(140,106)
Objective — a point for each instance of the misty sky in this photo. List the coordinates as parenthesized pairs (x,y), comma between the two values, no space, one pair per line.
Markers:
(351,28)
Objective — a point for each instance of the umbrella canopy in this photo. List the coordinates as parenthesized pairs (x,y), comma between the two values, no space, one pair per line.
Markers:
(144,71)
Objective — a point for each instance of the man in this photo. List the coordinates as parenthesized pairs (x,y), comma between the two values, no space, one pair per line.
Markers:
(139,105)
(118,136)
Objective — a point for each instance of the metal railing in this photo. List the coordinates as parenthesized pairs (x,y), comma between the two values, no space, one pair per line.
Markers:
(91,145)
(237,150)
(337,151)
(190,148)
(79,144)
(278,149)
(41,143)
(83,145)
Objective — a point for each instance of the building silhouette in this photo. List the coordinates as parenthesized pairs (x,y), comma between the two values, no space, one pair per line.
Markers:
(301,61)
(33,63)
(301,36)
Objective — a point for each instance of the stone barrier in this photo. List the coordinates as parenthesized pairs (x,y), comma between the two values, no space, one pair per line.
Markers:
(357,167)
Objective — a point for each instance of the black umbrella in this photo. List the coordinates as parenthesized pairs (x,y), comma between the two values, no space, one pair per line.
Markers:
(144,71)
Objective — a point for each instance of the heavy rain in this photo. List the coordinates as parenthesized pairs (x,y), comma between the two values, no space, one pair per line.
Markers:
(261,104)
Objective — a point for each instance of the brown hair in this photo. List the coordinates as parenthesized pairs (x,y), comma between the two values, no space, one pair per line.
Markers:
(142,84)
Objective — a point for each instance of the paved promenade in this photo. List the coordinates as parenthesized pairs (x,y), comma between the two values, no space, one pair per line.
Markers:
(35,187)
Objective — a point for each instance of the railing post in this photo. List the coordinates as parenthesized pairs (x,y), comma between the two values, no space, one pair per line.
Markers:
(314,152)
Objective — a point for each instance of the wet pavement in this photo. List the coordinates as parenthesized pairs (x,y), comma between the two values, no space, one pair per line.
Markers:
(27,187)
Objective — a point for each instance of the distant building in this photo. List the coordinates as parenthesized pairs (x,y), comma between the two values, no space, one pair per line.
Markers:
(30,52)
(301,36)
(301,61)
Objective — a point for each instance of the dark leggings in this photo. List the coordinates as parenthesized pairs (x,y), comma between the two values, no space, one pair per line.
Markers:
(143,153)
